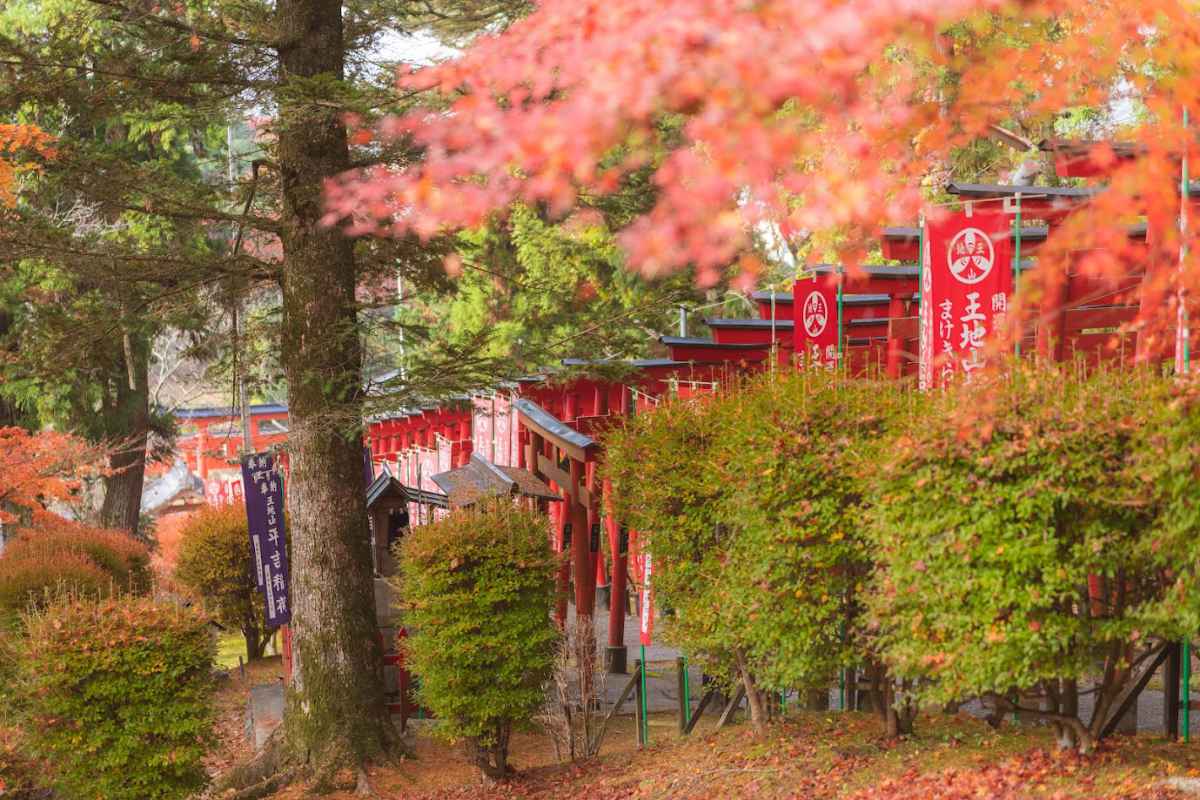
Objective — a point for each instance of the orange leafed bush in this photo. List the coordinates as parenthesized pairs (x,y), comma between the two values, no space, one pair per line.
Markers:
(21,147)
(33,579)
(53,555)
(37,467)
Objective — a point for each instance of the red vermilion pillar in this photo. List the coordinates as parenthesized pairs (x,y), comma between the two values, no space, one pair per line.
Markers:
(1052,320)
(895,344)
(585,573)
(563,581)
(1152,297)
(617,657)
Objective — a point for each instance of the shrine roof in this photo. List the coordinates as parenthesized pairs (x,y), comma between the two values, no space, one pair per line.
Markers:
(548,425)
(758,324)
(686,341)
(386,487)
(639,363)
(873,270)
(780,297)
(1085,147)
(852,299)
(227,411)
(480,479)
(981,190)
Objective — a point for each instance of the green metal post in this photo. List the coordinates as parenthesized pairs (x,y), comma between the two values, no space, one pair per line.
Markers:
(839,302)
(1185,699)
(645,716)
(1017,262)
(920,255)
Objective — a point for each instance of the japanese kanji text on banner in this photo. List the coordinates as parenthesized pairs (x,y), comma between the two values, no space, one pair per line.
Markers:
(264,512)
(966,284)
(816,322)
(647,632)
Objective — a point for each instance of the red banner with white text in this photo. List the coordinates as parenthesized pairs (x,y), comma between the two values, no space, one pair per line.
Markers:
(966,286)
(815,312)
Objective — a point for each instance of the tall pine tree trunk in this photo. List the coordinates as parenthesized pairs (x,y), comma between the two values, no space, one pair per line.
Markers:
(128,413)
(336,715)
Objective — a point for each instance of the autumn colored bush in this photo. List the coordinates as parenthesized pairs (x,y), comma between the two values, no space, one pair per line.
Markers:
(115,696)
(214,563)
(752,503)
(1019,548)
(53,554)
(477,591)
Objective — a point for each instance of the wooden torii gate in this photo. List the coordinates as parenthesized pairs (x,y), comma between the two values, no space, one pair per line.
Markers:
(558,453)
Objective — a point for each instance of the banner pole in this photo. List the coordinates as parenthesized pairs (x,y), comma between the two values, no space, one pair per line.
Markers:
(1185,339)
(839,313)
(645,716)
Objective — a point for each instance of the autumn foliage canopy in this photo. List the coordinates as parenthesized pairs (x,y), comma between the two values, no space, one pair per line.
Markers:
(821,117)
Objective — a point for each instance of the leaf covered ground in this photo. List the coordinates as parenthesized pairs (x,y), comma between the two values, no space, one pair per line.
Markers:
(810,755)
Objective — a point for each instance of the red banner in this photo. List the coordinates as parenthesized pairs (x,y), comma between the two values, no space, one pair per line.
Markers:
(815,313)
(647,632)
(966,283)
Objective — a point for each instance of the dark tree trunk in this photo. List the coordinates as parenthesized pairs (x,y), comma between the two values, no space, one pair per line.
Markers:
(256,638)
(492,758)
(336,715)
(128,419)
(9,415)
(754,697)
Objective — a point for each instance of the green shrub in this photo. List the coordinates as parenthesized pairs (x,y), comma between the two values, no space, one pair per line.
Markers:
(214,564)
(18,773)
(117,695)
(53,555)
(1015,538)
(477,591)
(751,503)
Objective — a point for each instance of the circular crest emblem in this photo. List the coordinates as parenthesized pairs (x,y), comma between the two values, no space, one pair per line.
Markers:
(815,314)
(971,255)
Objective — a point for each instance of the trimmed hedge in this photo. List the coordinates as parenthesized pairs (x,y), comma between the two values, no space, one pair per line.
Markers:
(478,589)
(54,554)
(117,694)
(752,504)
(214,565)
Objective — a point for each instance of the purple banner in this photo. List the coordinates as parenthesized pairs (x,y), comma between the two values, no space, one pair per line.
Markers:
(263,483)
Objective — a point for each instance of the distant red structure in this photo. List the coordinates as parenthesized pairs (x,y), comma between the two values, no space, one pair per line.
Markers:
(210,441)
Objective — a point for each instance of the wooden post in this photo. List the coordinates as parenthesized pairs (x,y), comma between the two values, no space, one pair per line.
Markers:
(584,572)
(618,543)
(1052,320)
(895,345)
(1171,693)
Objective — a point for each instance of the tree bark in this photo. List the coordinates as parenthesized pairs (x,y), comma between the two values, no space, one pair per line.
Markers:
(754,698)
(128,414)
(336,715)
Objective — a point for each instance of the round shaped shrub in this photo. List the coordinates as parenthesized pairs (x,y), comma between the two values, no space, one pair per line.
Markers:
(118,697)
(214,565)
(31,580)
(752,505)
(477,591)
(1016,547)
(53,555)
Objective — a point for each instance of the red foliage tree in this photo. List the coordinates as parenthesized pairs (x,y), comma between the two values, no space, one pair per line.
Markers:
(816,115)
(37,468)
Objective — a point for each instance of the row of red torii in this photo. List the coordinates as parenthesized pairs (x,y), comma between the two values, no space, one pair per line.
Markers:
(930,315)
(887,320)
